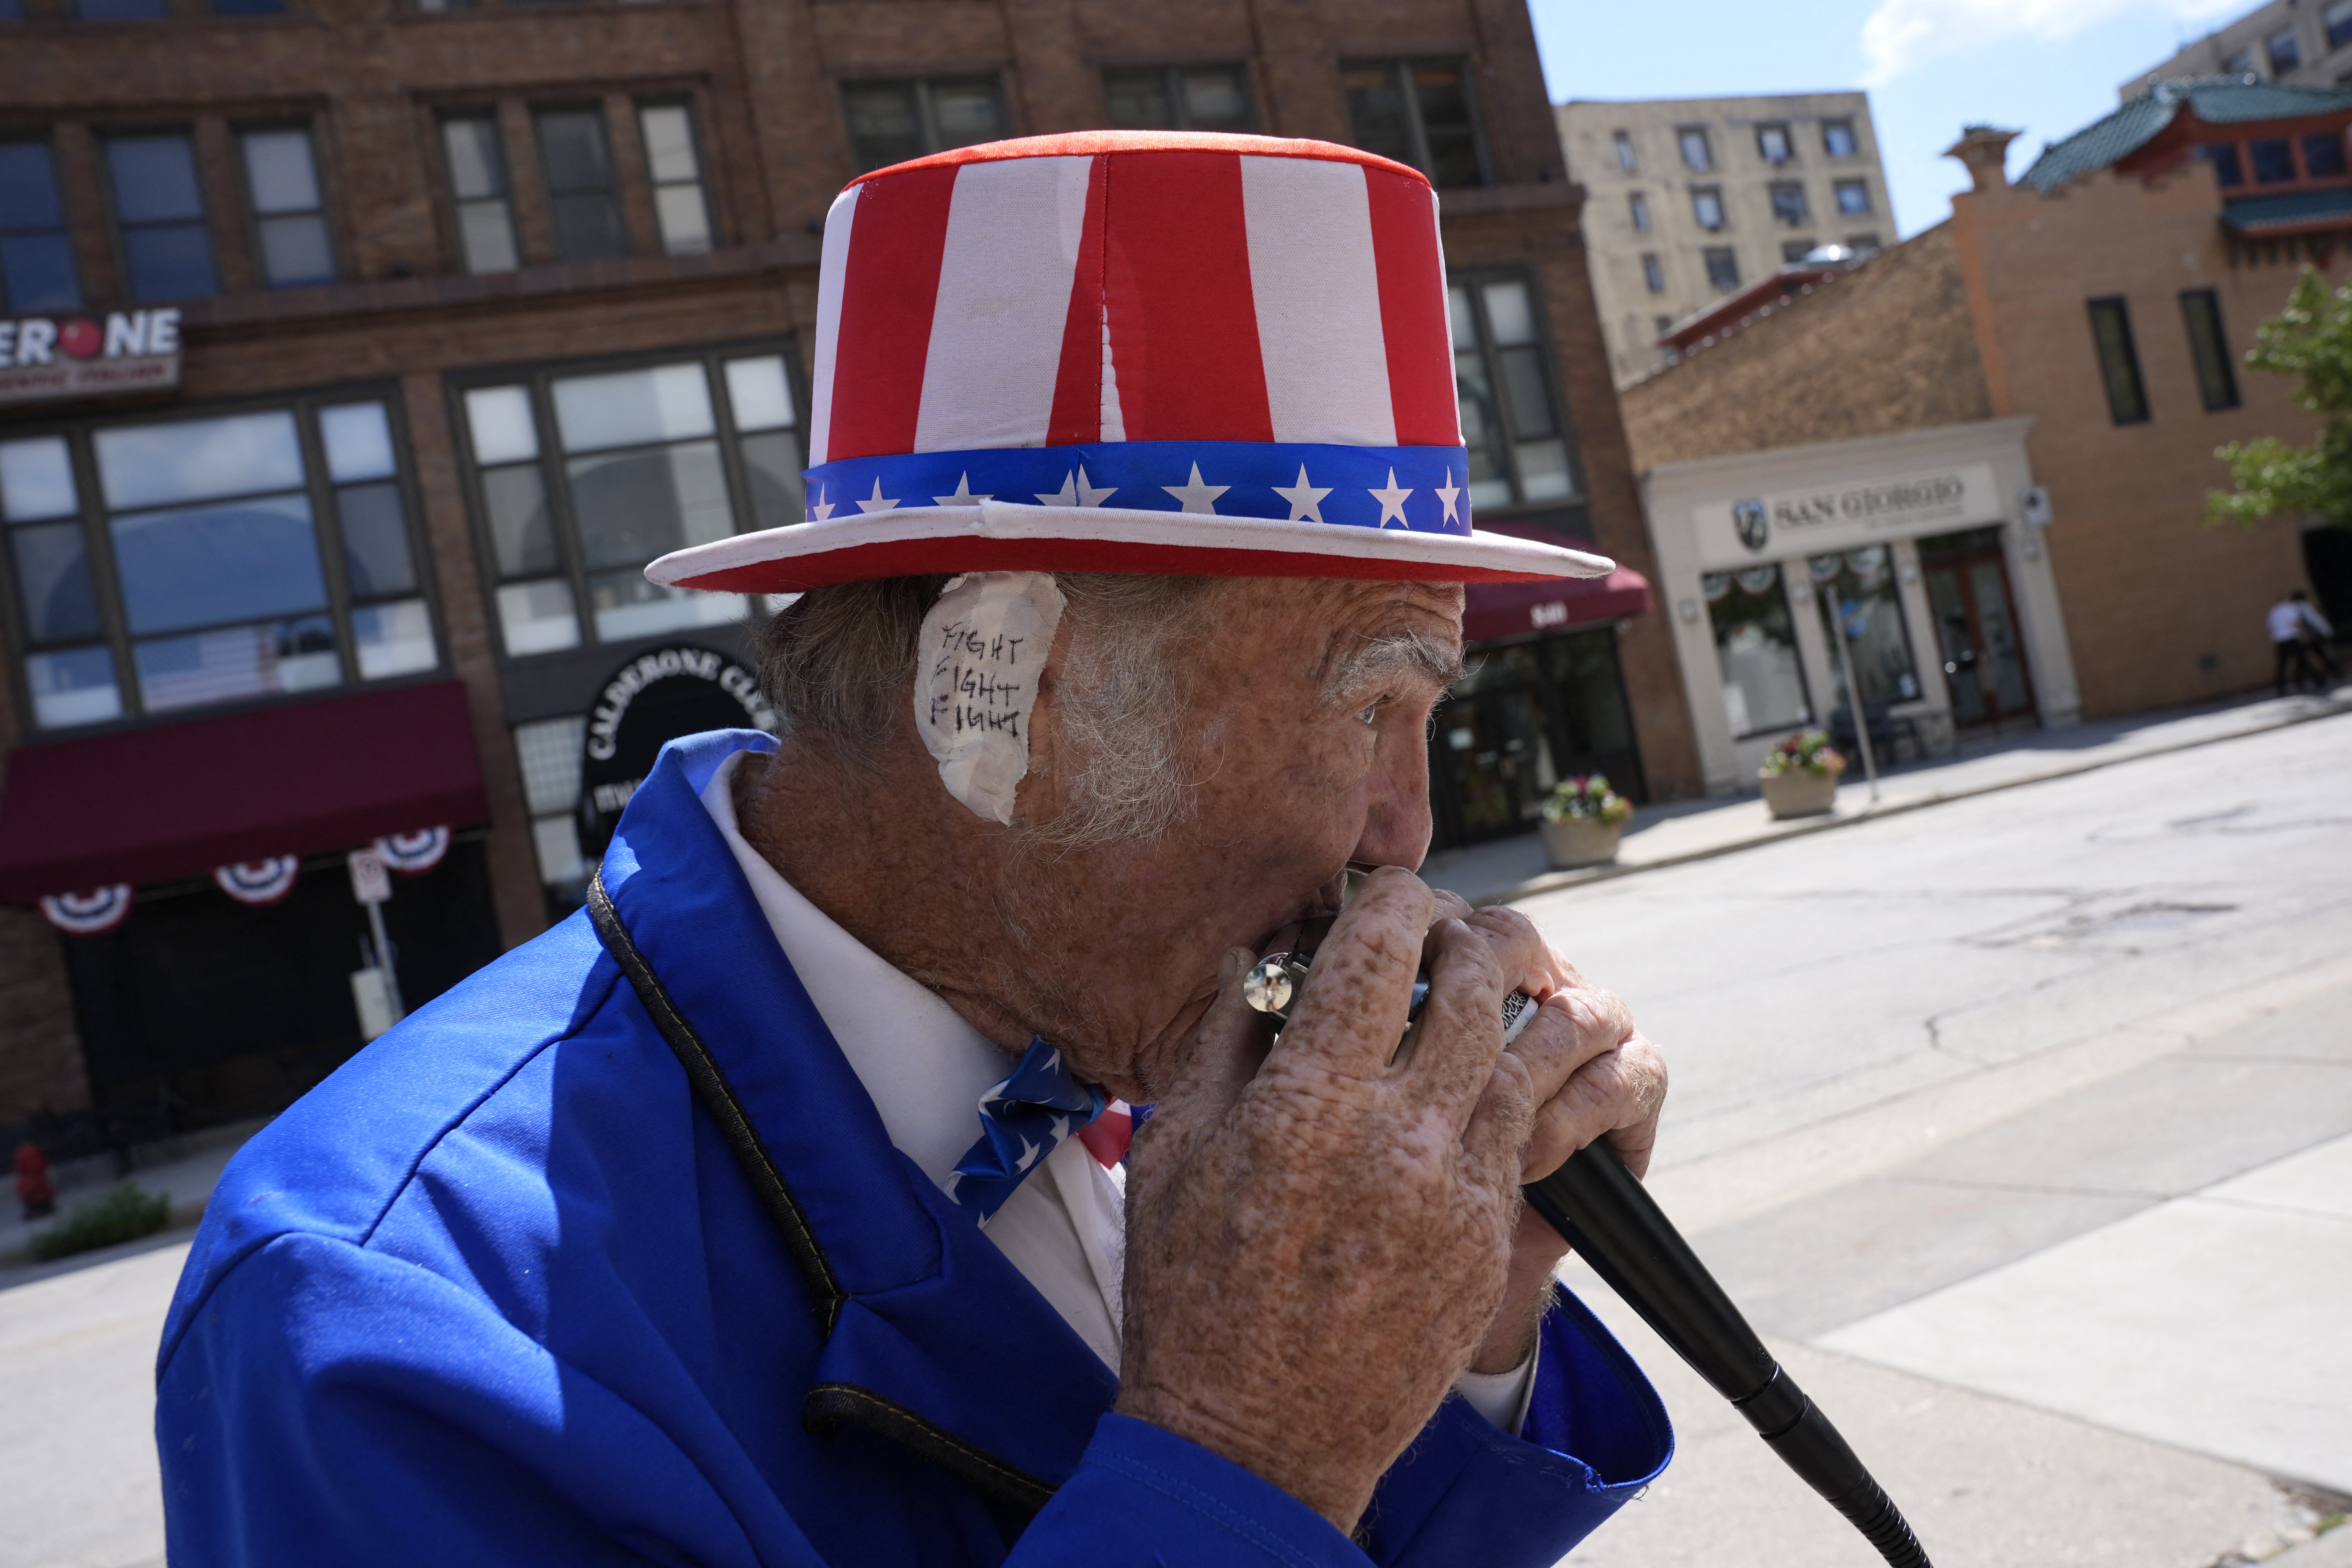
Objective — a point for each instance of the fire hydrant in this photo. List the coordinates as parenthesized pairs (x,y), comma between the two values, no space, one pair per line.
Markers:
(33,1189)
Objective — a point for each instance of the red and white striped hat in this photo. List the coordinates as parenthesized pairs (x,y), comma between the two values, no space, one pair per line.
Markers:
(1132,352)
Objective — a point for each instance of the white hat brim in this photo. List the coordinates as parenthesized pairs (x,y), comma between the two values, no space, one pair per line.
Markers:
(1006,536)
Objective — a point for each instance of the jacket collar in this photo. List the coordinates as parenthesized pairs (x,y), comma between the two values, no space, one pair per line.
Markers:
(933,1322)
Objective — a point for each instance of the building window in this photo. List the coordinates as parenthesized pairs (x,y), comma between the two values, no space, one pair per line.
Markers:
(1623,144)
(549,753)
(1662,325)
(2323,156)
(1838,139)
(478,187)
(1862,243)
(119,10)
(1510,418)
(2223,156)
(1419,112)
(674,162)
(1855,592)
(1692,141)
(2111,335)
(891,122)
(582,478)
(281,180)
(1788,203)
(2274,159)
(220,558)
(1793,250)
(2239,64)
(158,217)
(1854,197)
(249,7)
(1706,207)
(2209,345)
(2336,21)
(1638,206)
(583,201)
(2285,53)
(1756,651)
(1722,268)
(37,257)
(1180,98)
(1773,144)
(1653,273)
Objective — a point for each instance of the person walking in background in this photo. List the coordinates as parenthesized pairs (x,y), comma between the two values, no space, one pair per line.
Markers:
(2299,636)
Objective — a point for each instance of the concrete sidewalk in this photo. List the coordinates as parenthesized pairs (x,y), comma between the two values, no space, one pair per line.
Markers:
(1507,869)
(183,1169)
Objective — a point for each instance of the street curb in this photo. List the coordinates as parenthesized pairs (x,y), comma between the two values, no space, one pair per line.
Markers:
(1554,881)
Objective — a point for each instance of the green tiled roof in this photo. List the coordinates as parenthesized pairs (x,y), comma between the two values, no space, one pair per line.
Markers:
(2259,215)
(2216,100)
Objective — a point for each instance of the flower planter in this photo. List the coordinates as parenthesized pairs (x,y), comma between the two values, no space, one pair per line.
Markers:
(1575,841)
(1800,793)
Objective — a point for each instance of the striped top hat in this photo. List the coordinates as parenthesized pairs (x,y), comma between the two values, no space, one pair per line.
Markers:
(1132,352)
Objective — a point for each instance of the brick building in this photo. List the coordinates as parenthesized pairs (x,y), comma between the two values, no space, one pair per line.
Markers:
(1998,437)
(359,353)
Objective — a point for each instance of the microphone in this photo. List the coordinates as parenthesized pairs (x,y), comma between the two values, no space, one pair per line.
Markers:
(1608,1217)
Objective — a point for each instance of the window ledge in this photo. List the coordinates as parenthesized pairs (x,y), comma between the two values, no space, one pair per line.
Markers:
(1477,199)
(443,290)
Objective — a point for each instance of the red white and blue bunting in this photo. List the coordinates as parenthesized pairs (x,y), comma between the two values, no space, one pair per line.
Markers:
(414,854)
(258,882)
(88,914)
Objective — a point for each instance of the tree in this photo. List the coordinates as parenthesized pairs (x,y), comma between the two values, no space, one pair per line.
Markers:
(2311,338)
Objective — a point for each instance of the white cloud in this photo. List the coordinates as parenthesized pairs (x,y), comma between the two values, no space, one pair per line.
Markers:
(1901,35)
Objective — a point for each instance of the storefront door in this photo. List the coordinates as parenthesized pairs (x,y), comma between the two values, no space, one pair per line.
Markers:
(1976,628)
(1531,714)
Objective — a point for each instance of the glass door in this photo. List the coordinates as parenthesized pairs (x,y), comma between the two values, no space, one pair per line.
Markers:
(1976,628)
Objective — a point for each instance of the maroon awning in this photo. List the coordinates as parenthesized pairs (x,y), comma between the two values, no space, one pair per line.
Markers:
(175,800)
(1510,609)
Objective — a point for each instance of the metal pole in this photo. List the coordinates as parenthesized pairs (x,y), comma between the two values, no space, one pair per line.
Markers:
(1852,691)
(383,961)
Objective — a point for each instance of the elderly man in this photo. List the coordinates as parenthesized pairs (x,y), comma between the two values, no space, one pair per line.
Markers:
(775,1209)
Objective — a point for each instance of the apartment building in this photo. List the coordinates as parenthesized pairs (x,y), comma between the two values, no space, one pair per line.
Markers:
(2287,40)
(356,354)
(1691,199)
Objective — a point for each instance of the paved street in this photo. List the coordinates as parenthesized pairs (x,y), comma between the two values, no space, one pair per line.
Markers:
(2021,1126)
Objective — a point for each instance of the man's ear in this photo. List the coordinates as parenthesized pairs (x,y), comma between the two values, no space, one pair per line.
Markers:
(1043,791)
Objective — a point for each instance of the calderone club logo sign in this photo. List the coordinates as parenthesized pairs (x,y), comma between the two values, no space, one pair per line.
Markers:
(46,357)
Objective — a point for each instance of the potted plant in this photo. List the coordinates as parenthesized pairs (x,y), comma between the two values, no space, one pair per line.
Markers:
(1582,821)
(1799,775)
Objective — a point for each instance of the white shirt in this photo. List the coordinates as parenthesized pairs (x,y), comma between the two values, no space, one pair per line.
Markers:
(926,1068)
(2290,616)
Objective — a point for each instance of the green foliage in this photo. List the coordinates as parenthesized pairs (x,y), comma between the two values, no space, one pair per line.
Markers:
(2312,338)
(123,1214)
(1588,797)
(1808,750)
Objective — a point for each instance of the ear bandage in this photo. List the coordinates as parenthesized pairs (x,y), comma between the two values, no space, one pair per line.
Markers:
(984,644)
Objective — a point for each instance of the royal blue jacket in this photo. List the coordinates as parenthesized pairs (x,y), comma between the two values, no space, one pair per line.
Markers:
(605,1258)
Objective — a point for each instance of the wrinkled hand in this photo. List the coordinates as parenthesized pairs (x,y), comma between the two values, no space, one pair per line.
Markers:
(1319,1238)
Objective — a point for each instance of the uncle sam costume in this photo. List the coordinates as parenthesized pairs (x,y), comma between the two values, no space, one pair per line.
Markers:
(642,1245)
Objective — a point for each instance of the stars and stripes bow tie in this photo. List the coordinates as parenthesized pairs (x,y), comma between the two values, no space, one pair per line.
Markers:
(1021,1119)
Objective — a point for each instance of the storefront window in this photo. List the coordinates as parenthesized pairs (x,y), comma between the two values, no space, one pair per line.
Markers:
(1529,714)
(1755,649)
(1860,583)
(582,479)
(214,559)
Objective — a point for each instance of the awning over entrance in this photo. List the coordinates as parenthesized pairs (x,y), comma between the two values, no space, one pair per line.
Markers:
(1511,609)
(177,800)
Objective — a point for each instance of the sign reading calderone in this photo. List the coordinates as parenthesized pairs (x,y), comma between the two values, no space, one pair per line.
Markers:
(1842,513)
(654,698)
(49,357)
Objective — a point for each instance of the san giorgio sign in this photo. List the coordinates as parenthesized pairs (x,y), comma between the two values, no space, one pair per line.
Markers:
(1842,514)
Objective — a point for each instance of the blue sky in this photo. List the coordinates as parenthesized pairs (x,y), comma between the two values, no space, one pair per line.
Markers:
(2047,67)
